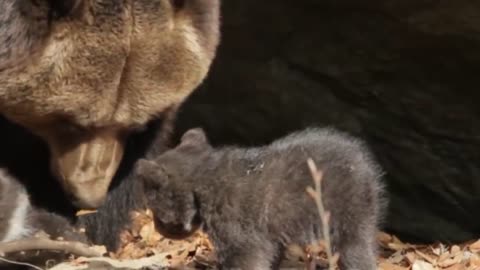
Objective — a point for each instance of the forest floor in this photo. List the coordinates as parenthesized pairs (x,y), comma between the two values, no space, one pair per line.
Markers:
(143,246)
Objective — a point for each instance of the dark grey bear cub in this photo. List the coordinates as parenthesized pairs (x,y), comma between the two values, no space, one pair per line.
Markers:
(252,202)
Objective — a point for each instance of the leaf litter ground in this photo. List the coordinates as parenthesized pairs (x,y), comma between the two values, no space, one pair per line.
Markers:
(142,242)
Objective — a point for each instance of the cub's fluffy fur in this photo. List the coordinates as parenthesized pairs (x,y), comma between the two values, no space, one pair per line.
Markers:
(19,219)
(252,201)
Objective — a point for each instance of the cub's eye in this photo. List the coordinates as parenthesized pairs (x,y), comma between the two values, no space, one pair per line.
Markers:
(177,4)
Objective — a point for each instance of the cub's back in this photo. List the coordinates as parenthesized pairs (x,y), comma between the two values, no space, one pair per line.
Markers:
(350,171)
(329,148)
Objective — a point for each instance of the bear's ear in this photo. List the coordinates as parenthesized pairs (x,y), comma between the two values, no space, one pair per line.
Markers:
(194,137)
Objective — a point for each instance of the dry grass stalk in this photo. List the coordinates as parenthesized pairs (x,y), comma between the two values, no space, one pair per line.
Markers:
(20,263)
(316,194)
(38,243)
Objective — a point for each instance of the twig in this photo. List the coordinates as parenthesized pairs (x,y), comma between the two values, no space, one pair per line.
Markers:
(38,243)
(316,194)
(20,263)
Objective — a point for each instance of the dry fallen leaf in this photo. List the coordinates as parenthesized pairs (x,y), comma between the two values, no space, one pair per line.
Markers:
(455,267)
(398,245)
(396,257)
(422,265)
(426,257)
(475,247)
(390,266)
(149,234)
(99,249)
(455,249)
(411,257)
(443,257)
(85,212)
(384,237)
(142,241)
(474,260)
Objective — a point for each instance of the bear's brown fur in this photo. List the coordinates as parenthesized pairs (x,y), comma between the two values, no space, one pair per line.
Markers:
(84,81)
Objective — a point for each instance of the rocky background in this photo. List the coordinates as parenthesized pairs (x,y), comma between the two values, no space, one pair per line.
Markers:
(402,74)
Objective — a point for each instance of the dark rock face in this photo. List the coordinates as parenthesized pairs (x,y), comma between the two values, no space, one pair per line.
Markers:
(401,74)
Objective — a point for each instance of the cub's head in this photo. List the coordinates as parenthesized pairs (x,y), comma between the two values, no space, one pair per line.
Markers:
(83,75)
(169,189)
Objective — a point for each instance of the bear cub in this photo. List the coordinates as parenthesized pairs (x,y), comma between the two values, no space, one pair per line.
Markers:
(19,219)
(252,202)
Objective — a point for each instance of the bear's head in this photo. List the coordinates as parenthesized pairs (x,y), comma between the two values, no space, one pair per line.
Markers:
(84,74)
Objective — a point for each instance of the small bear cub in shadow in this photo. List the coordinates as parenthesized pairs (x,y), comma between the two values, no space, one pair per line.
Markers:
(252,202)
(19,219)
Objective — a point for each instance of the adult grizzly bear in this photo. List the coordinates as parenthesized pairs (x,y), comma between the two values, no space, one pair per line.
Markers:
(84,81)
(83,75)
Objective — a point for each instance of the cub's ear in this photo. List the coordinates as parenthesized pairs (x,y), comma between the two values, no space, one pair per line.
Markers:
(147,171)
(194,137)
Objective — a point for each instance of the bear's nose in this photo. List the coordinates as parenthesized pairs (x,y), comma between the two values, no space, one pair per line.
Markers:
(86,167)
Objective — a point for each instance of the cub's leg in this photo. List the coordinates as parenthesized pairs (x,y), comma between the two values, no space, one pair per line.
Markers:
(249,256)
(357,250)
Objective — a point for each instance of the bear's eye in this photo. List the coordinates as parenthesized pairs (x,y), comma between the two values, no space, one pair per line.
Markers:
(177,4)
(62,8)
(67,128)
(71,128)
(165,173)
